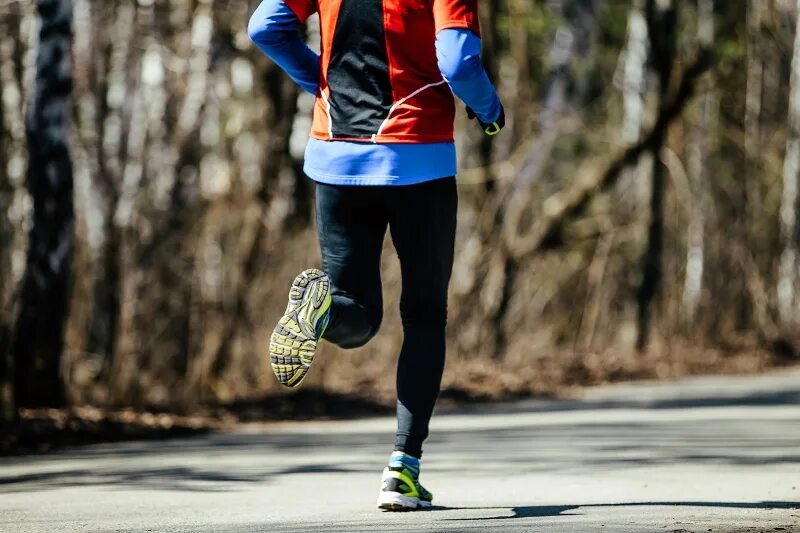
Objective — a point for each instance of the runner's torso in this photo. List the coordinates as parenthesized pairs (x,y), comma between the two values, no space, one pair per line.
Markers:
(380,80)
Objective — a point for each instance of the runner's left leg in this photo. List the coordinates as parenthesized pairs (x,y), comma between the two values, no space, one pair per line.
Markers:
(423,225)
(423,228)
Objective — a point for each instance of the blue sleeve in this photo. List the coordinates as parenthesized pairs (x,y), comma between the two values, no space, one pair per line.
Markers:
(459,54)
(275,30)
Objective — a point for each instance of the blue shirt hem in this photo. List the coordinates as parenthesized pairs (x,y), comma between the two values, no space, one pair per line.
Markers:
(323,177)
(351,163)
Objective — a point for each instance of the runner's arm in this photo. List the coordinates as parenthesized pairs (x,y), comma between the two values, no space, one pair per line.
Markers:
(458,51)
(275,30)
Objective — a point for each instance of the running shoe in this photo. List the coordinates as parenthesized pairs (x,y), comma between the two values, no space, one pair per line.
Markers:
(401,490)
(295,338)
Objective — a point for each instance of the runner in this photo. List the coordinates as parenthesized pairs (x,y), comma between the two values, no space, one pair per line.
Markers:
(382,155)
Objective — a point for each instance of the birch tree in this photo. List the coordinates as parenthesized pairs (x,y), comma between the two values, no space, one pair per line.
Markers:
(787,276)
(634,85)
(698,169)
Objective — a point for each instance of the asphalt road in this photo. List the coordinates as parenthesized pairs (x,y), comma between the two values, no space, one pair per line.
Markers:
(702,455)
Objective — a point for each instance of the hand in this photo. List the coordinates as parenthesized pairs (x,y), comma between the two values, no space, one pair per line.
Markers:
(492,128)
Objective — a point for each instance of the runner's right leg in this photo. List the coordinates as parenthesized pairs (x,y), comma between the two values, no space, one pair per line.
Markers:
(351,223)
(343,304)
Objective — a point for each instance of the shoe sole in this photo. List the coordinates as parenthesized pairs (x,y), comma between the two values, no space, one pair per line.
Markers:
(396,502)
(294,340)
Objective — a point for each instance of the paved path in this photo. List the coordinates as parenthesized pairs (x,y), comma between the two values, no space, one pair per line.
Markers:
(717,454)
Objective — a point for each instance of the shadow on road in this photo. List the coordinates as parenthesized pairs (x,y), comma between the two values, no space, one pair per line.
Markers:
(177,478)
(539,511)
(190,465)
(418,521)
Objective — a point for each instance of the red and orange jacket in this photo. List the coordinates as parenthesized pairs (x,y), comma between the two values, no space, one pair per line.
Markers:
(380,80)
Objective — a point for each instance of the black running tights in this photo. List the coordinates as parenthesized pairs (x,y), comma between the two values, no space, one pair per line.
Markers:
(352,223)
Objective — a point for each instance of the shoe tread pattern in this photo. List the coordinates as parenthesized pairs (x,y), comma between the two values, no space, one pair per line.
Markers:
(293,342)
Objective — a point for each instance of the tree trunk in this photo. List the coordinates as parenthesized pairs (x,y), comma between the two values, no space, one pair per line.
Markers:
(635,75)
(755,72)
(661,22)
(787,276)
(698,169)
(6,275)
(635,182)
(44,298)
(12,140)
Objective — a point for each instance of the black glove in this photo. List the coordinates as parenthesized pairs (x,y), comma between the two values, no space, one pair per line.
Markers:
(493,128)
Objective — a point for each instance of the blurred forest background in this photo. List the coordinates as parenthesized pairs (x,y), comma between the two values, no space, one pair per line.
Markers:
(637,219)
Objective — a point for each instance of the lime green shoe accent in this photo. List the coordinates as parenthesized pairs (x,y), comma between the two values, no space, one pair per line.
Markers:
(294,340)
(402,491)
